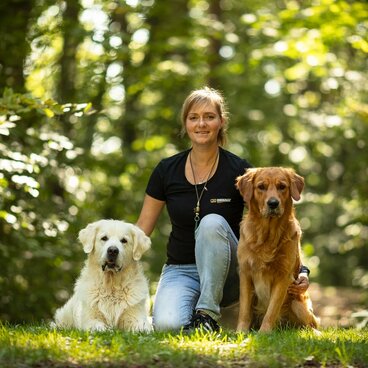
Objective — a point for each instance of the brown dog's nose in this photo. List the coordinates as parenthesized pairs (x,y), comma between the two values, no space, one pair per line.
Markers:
(112,252)
(273,203)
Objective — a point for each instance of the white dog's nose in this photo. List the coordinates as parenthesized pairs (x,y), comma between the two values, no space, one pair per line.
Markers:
(112,252)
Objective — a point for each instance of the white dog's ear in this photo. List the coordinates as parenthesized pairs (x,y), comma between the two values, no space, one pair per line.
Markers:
(141,242)
(87,237)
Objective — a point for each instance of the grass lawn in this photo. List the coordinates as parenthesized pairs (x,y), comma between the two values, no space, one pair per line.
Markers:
(39,346)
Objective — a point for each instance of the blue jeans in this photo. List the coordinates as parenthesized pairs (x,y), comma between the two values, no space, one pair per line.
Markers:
(211,282)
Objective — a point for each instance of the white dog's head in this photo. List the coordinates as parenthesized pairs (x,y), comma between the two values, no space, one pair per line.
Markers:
(113,243)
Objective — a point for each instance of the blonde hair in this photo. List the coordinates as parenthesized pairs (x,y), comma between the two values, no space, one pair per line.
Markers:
(203,96)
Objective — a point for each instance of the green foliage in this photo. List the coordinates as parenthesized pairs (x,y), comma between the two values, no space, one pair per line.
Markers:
(37,205)
(38,345)
(293,73)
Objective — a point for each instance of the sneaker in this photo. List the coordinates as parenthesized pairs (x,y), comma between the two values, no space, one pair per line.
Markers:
(202,321)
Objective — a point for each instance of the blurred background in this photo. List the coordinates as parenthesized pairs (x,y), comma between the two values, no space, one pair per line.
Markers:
(90,98)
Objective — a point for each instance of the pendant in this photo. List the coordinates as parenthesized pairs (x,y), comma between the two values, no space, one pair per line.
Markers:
(196,220)
(196,216)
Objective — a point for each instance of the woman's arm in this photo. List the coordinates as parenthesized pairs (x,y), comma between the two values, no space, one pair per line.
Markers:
(150,212)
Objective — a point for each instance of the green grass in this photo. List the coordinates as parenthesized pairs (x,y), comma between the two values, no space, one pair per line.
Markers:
(39,346)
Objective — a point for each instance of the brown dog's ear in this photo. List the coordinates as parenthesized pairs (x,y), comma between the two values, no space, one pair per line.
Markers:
(244,184)
(297,185)
(87,237)
(141,242)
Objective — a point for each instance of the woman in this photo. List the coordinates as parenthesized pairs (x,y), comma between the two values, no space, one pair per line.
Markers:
(205,209)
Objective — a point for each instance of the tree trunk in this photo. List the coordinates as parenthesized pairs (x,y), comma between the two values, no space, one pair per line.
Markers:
(14,47)
(72,37)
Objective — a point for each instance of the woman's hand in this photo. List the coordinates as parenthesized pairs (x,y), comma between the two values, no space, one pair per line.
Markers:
(300,285)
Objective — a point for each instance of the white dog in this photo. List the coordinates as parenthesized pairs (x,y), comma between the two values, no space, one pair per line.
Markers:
(112,291)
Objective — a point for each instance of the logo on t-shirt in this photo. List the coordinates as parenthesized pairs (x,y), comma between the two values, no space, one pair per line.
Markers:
(220,200)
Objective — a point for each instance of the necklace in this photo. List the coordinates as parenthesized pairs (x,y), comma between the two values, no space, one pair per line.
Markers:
(199,196)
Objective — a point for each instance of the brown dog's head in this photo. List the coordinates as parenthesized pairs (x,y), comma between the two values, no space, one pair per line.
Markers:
(270,189)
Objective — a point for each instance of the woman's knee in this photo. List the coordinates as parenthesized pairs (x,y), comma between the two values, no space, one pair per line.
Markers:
(214,236)
(212,224)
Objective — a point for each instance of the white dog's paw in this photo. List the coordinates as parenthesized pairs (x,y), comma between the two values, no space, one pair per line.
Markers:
(148,328)
(97,326)
(53,325)
(142,326)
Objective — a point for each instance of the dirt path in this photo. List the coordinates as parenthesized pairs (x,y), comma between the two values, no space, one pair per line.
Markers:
(333,305)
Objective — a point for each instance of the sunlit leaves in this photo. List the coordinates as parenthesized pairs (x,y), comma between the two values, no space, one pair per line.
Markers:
(5,126)
(34,206)
(150,144)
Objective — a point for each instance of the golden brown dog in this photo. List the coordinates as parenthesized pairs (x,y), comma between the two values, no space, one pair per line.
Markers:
(269,251)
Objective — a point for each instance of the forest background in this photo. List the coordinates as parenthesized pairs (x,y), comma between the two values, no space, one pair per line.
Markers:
(90,97)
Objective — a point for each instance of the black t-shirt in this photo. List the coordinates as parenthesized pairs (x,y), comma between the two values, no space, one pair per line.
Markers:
(168,183)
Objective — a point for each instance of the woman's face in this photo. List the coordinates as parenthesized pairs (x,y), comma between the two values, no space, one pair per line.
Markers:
(203,124)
